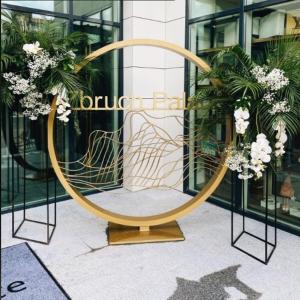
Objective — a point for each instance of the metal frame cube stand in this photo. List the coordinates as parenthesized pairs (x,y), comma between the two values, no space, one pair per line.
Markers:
(50,226)
(266,222)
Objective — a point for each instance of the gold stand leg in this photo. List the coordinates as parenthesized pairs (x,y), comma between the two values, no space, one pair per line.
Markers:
(119,234)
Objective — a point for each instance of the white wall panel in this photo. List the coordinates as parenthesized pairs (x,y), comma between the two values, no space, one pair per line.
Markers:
(149,70)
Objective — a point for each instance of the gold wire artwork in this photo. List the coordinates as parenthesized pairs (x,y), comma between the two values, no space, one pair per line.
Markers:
(149,157)
(144,157)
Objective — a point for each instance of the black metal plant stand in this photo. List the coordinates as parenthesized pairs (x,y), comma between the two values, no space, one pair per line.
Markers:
(269,246)
(49,226)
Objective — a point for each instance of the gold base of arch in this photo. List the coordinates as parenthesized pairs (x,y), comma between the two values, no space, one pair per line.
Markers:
(120,235)
(144,227)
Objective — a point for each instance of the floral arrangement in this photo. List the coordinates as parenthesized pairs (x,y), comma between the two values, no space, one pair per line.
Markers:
(264,100)
(250,159)
(37,62)
(33,101)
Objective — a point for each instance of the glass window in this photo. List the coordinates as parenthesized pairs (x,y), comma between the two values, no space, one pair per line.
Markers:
(24,157)
(287,188)
(105,83)
(36,21)
(267,24)
(99,35)
(51,5)
(263,26)
(205,152)
(200,8)
(208,37)
(254,1)
(103,10)
(25,164)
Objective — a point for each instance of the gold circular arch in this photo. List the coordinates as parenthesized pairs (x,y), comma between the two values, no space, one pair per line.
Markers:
(145,221)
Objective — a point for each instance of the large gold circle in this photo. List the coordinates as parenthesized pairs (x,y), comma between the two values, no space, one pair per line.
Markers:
(162,218)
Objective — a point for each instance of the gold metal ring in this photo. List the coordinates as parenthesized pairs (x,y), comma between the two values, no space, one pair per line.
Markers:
(146,221)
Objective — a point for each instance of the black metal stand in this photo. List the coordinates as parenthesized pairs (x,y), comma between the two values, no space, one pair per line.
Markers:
(49,226)
(266,221)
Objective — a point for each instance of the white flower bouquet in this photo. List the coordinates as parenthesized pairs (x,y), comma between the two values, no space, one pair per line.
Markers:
(38,62)
(252,158)
(33,99)
(264,100)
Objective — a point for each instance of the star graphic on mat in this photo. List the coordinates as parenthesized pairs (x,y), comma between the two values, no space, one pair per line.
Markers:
(223,284)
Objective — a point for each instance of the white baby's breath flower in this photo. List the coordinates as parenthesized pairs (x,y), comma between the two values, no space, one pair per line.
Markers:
(280,107)
(19,85)
(274,80)
(269,97)
(259,73)
(38,61)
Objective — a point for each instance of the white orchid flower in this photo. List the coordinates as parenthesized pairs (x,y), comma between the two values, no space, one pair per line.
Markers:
(64,116)
(32,48)
(60,109)
(283,138)
(241,113)
(259,174)
(241,126)
(266,158)
(279,152)
(261,136)
(71,54)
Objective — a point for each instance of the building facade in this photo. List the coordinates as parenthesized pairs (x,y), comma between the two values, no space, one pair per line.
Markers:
(204,27)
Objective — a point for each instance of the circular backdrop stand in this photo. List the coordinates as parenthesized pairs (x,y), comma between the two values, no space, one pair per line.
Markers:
(124,229)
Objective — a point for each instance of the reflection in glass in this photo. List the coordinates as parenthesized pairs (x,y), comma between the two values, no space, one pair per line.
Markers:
(264,26)
(105,83)
(267,24)
(25,162)
(107,10)
(200,8)
(211,146)
(99,35)
(208,37)
(51,5)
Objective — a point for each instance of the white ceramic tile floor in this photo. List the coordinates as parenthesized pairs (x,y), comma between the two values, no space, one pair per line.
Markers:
(149,271)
